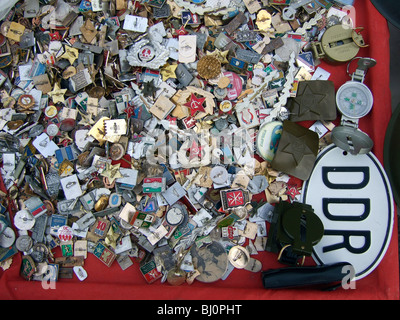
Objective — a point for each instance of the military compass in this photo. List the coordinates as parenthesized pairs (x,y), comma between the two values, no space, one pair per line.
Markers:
(354,100)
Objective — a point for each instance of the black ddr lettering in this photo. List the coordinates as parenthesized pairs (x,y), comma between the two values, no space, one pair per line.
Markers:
(327,201)
(347,234)
(329,184)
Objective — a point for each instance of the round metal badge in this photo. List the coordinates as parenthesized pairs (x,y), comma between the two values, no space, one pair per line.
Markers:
(52,129)
(24,220)
(24,243)
(219,174)
(352,196)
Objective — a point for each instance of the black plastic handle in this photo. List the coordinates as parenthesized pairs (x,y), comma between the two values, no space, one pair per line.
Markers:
(304,276)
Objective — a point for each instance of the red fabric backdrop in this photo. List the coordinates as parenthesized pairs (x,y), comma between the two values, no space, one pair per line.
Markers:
(113,283)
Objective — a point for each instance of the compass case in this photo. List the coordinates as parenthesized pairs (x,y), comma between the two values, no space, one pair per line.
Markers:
(352,140)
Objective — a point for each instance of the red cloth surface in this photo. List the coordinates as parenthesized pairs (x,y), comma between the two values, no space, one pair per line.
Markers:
(113,283)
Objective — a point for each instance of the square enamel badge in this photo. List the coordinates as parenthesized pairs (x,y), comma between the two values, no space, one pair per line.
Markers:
(234,198)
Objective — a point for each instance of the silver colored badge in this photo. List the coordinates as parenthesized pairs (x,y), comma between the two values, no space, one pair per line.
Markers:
(24,243)
(147,54)
(24,220)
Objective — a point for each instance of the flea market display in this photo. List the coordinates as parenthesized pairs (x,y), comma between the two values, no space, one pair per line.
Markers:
(185,139)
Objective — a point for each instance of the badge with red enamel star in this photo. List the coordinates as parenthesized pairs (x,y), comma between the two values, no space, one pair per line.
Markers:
(292,192)
(130,111)
(195,104)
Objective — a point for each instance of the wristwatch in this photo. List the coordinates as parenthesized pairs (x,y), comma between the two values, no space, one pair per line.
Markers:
(354,100)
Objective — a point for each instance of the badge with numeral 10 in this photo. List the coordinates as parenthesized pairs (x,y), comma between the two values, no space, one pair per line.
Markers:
(101,227)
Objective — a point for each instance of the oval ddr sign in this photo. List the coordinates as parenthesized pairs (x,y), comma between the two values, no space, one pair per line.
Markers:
(352,197)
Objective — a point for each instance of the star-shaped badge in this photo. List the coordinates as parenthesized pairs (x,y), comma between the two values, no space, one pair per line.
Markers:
(86,119)
(57,95)
(112,172)
(148,88)
(220,55)
(168,71)
(71,54)
(130,111)
(195,104)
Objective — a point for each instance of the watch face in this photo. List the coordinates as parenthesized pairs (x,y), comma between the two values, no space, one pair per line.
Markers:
(174,216)
(354,100)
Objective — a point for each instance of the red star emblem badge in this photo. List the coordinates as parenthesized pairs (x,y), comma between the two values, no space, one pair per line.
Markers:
(195,104)
(130,111)
(292,192)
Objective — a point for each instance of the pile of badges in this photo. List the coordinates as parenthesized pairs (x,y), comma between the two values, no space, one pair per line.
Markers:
(158,132)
